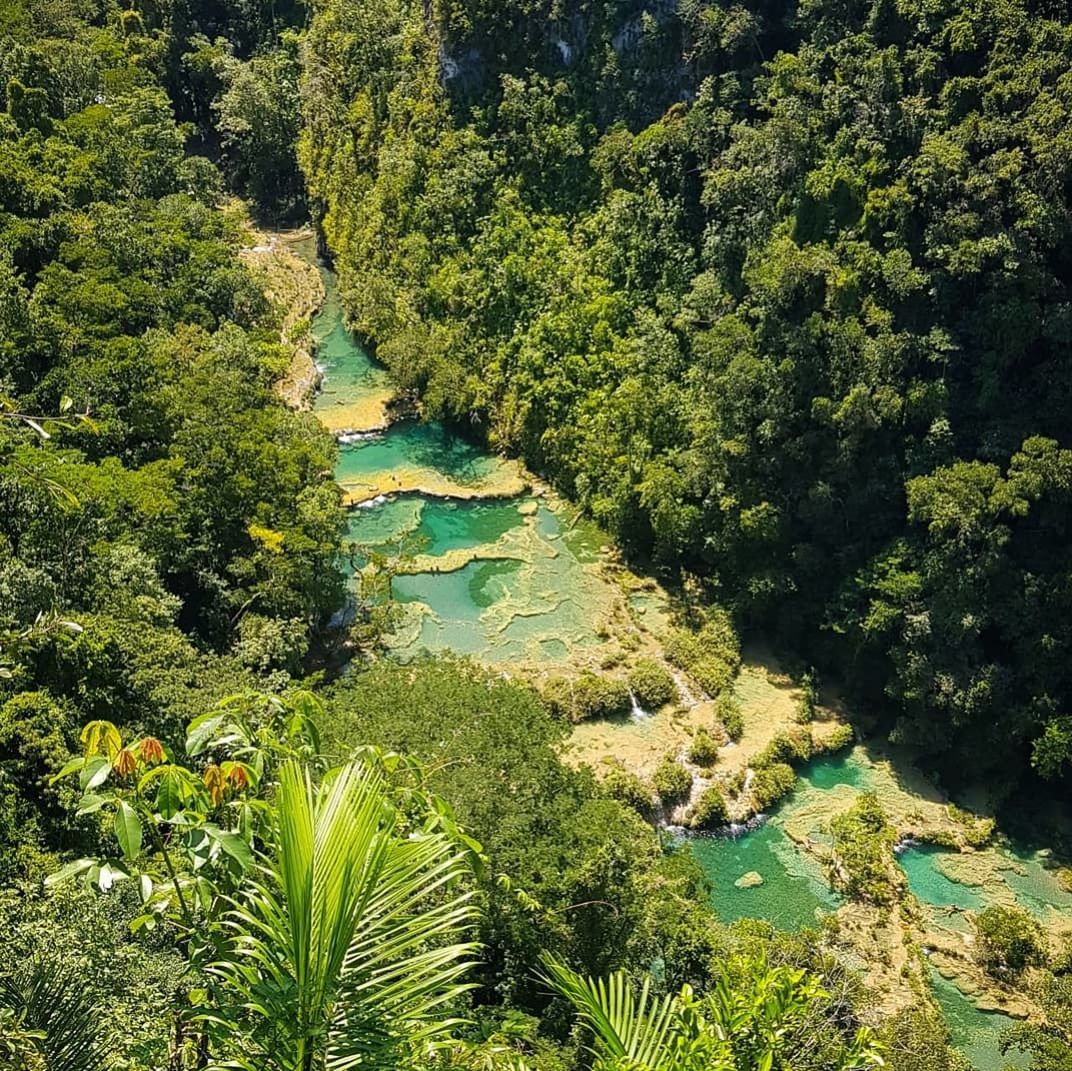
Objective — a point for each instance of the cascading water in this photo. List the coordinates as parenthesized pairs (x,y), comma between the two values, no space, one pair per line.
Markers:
(636,712)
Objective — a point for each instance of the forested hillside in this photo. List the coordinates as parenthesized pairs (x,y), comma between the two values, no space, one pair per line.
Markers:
(778,292)
(182,883)
(185,533)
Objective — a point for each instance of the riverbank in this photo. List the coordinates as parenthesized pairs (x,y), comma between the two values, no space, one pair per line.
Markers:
(296,289)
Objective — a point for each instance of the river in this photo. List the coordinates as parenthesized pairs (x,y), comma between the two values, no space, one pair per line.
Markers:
(506,574)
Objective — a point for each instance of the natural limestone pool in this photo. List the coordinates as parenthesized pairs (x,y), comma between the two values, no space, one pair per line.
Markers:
(794,887)
(976,1033)
(488,568)
(794,892)
(486,565)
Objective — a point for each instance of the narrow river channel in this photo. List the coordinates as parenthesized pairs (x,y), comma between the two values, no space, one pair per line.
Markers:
(505,575)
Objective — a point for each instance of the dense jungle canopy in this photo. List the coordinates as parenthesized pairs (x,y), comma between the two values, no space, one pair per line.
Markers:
(777,292)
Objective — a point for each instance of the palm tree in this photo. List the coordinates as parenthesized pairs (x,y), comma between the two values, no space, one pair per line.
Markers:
(344,952)
(758,1024)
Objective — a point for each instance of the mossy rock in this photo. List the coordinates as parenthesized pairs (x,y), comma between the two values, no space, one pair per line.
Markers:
(704,749)
(729,713)
(772,783)
(672,781)
(791,748)
(842,737)
(588,696)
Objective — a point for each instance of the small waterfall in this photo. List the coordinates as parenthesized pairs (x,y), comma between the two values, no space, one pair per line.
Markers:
(680,814)
(637,712)
(749,777)
(372,503)
(348,438)
(739,829)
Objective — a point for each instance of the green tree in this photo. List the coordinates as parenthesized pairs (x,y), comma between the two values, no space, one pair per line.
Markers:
(1008,940)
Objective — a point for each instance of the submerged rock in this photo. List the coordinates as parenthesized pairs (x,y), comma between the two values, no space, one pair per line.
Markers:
(750,880)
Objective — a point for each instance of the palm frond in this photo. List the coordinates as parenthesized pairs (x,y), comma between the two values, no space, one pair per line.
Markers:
(57,1005)
(347,945)
(627,1026)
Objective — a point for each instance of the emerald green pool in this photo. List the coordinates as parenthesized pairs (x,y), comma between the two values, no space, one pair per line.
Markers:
(929,884)
(410,446)
(347,370)
(794,888)
(414,525)
(794,892)
(523,590)
(976,1033)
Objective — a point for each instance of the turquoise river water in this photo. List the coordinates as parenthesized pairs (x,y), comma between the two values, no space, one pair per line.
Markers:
(795,893)
(524,592)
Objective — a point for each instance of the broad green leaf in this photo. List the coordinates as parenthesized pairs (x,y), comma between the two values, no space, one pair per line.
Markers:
(201,731)
(178,788)
(69,767)
(206,893)
(170,796)
(95,772)
(107,874)
(147,921)
(128,830)
(199,846)
(101,738)
(68,871)
(90,804)
(232,844)
(145,887)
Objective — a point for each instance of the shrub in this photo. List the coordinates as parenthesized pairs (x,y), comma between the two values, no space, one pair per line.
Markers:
(719,638)
(652,684)
(683,649)
(839,739)
(709,811)
(728,711)
(624,786)
(771,783)
(588,696)
(978,832)
(736,783)
(711,655)
(1008,940)
(672,781)
(704,750)
(863,865)
(712,674)
(809,698)
(792,748)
